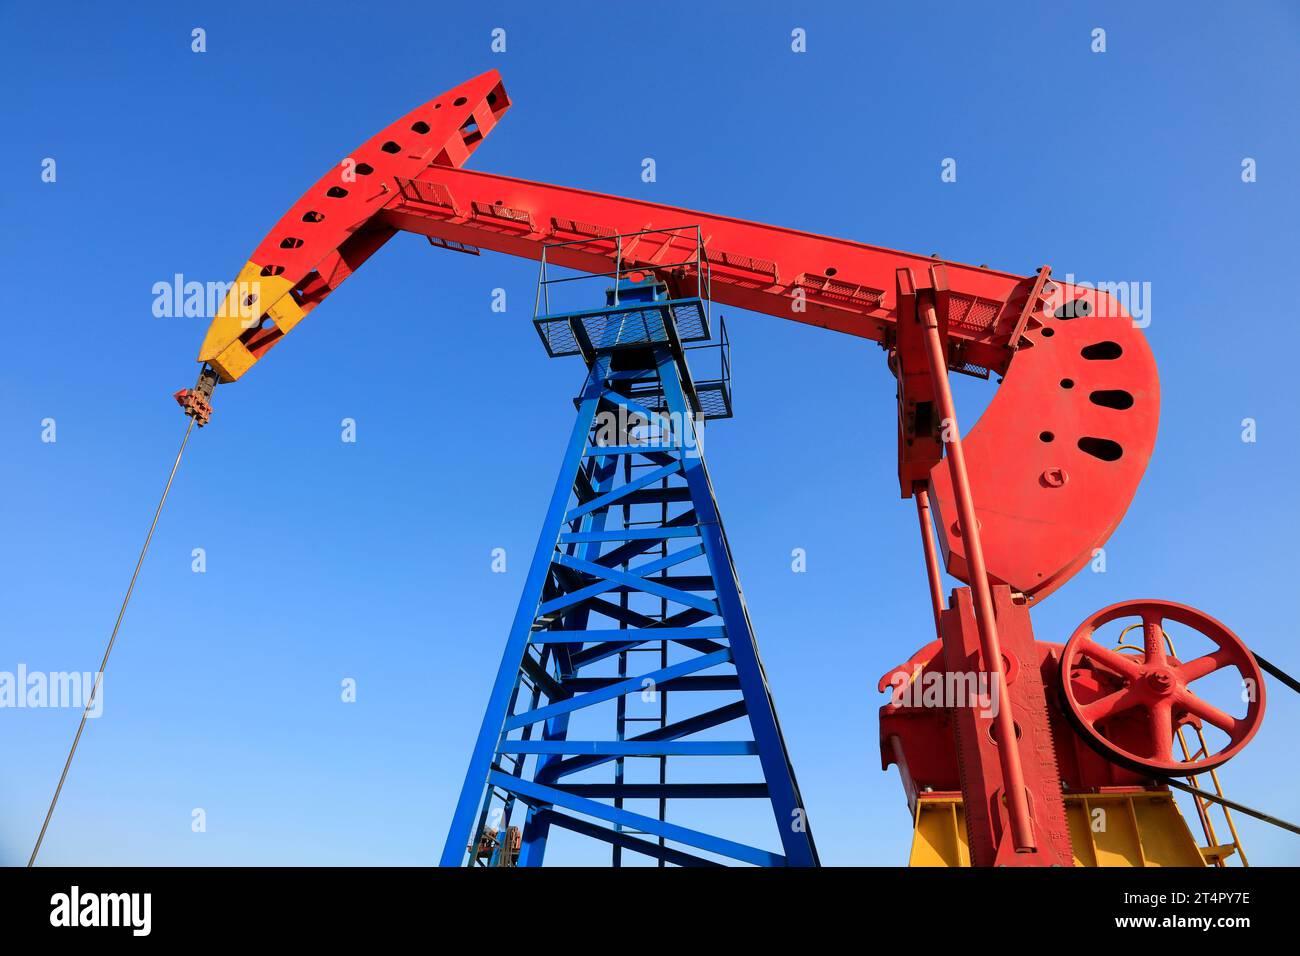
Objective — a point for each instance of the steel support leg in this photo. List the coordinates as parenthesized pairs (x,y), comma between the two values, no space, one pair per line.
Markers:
(784,789)
(480,765)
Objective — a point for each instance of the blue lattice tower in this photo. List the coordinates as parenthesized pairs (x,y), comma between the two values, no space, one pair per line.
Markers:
(631,654)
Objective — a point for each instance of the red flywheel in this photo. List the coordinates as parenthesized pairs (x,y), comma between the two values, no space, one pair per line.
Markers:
(1129,706)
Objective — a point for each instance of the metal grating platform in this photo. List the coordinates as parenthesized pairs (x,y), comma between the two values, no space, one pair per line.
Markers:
(710,400)
(714,399)
(635,325)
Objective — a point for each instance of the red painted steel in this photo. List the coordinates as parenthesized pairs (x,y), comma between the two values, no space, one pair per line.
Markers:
(445,132)
(329,232)
(816,280)
(1019,716)
(918,736)
(1059,452)
(931,743)
(1130,706)
(933,578)
(1017,797)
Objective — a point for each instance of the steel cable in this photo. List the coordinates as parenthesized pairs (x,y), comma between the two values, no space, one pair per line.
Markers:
(99,676)
(1239,807)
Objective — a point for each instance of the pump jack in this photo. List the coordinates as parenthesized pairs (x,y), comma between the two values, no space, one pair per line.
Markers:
(1018,505)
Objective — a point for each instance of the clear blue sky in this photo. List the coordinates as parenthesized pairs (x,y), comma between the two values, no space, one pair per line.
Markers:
(371,560)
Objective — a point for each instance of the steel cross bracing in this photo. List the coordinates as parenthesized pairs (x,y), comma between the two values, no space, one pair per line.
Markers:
(631,646)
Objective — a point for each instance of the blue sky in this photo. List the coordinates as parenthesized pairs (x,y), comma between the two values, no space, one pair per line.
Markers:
(371,560)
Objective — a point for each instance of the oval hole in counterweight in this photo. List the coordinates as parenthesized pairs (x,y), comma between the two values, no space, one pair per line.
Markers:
(1102,351)
(1112,398)
(1102,448)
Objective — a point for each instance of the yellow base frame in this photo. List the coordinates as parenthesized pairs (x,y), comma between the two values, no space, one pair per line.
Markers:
(1133,828)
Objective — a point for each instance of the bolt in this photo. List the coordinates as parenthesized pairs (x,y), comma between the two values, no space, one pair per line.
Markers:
(1055,477)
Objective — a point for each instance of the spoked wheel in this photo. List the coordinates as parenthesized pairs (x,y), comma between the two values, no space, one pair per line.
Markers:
(1129,706)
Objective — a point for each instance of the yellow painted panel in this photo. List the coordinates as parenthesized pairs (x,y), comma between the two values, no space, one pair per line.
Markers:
(1111,830)
(233,361)
(234,317)
(286,313)
(940,836)
(1076,815)
(1166,840)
